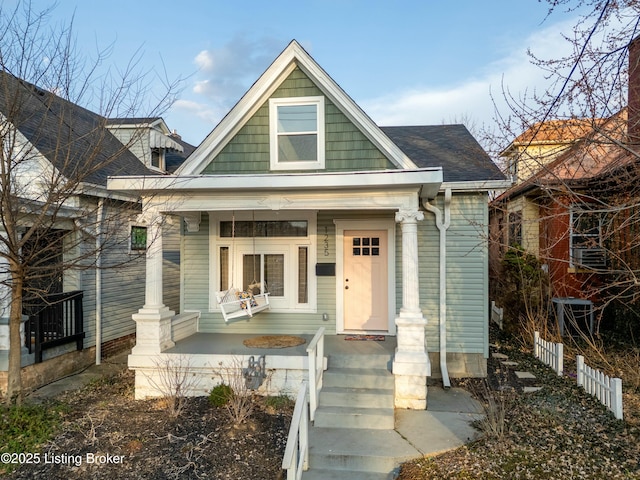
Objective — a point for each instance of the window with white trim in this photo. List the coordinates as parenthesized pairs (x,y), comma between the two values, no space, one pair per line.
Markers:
(273,255)
(157,158)
(296,127)
(586,238)
(138,239)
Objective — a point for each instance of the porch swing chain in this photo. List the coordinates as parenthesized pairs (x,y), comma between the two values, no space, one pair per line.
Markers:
(253,238)
(227,296)
(233,246)
(261,285)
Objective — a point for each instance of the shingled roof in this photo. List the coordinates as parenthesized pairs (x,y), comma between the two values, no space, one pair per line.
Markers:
(451,147)
(173,158)
(73,139)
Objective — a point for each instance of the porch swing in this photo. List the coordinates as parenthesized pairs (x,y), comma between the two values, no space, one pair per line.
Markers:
(235,303)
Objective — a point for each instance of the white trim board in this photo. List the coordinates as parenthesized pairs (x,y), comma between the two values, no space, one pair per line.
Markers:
(366,224)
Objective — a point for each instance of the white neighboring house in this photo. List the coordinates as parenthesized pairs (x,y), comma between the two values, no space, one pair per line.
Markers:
(348,226)
(56,136)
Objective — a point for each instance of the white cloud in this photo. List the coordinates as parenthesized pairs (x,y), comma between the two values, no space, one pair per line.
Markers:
(224,74)
(200,110)
(204,60)
(226,71)
(471,99)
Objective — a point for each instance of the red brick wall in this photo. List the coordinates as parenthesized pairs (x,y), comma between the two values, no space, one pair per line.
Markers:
(113,347)
(554,251)
(634,91)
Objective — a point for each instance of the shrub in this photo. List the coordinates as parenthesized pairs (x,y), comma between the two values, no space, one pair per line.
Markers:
(279,403)
(220,395)
(523,291)
(24,428)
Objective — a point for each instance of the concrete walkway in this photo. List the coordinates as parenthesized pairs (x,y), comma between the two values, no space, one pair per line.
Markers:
(445,425)
(109,367)
(376,454)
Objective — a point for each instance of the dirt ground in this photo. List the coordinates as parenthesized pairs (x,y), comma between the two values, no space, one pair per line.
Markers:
(558,432)
(108,435)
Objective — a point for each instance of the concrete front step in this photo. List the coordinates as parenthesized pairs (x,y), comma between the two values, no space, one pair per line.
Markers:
(318,474)
(357,450)
(381,361)
(358,377)
(361,397)
(355,417)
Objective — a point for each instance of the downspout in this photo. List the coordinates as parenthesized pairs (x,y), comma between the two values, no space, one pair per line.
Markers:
(99,218)
(443,227)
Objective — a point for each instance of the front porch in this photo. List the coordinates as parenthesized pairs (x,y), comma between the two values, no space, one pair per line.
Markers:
(211,358)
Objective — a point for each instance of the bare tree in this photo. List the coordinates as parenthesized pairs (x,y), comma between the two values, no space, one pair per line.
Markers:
(55,156)
(587,187)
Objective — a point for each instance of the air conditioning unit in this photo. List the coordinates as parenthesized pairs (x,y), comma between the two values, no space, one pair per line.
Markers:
(594,258)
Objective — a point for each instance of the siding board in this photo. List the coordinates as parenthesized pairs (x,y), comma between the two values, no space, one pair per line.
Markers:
(346,147)
(467,284)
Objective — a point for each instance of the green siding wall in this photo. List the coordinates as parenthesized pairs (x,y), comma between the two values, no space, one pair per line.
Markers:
(346,148)
(467,281)
(195,296)
(194,269)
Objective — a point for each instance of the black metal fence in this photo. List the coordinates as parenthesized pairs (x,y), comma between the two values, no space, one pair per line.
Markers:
(54,320)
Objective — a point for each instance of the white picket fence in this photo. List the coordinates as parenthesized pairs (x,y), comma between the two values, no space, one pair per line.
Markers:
(607,390)
(549,353)
(497,315)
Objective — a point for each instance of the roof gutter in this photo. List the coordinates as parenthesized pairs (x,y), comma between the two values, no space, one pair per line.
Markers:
(428,179)
(100,218)
(443,226)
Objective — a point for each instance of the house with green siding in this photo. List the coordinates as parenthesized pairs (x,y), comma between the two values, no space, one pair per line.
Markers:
(358,231)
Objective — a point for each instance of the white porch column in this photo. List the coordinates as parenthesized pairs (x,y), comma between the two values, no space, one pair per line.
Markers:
(411,365)
(153,320)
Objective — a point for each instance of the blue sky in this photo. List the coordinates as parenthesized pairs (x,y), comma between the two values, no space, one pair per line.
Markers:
(404,62)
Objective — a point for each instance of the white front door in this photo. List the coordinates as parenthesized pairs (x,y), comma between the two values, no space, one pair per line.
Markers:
(365,280)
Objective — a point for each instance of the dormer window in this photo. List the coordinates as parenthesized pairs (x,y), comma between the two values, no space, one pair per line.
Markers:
(297,133)
(157,158)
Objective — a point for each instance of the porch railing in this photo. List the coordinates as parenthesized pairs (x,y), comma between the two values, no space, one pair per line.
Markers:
(54,320)
(315,350)
(296,454)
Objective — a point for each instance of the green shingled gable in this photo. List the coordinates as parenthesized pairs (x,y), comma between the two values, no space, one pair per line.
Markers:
(346,149)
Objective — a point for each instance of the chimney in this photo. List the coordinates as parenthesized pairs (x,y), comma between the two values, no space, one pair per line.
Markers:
(633,94)
(174,134)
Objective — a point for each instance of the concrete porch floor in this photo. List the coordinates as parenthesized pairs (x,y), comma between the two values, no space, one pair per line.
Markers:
(231,344)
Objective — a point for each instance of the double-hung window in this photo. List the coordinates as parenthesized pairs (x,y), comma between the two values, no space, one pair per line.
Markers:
(586,238)
(296,128)
(515,229)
